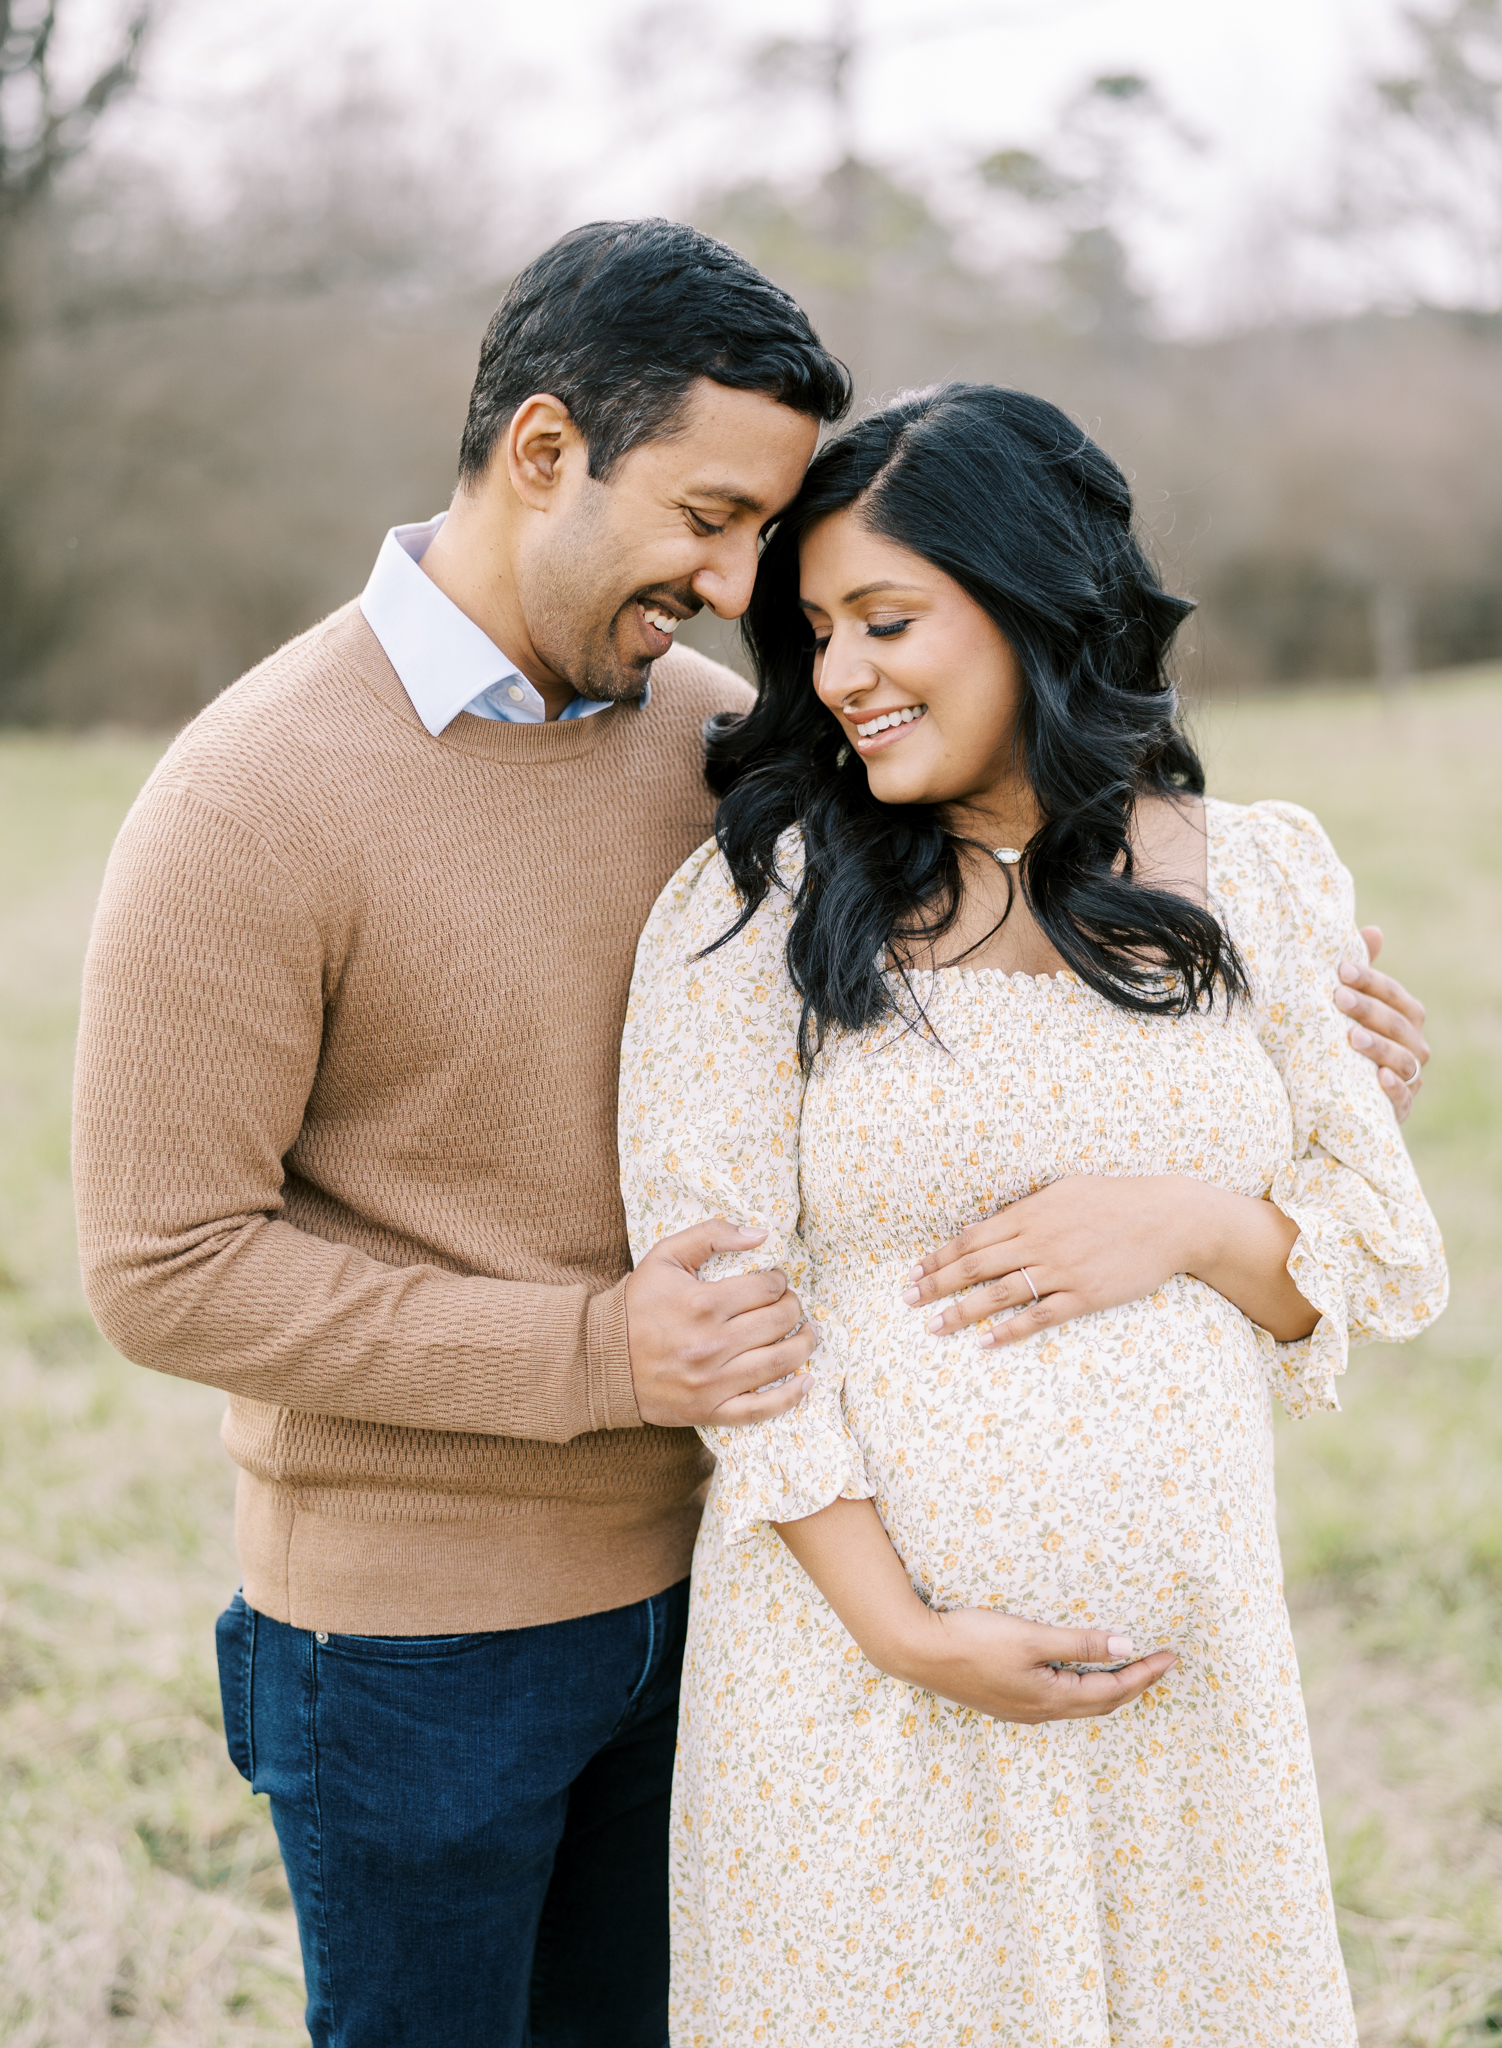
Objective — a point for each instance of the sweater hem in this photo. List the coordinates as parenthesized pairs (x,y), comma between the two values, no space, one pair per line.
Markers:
(461,1576)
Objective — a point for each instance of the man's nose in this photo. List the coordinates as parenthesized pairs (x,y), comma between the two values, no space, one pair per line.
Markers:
(726,582)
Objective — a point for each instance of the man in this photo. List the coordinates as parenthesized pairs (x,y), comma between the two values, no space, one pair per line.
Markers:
(345,1148)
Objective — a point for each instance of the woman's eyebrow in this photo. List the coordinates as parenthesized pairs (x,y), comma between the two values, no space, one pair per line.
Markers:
(868,589)
(854,596)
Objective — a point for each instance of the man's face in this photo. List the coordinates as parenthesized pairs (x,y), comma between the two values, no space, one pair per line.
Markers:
(616,566)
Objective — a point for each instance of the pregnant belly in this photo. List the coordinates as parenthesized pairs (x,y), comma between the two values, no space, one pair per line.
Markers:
(1114,1472)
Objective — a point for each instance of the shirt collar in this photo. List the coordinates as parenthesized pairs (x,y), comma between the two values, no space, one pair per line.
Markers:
(444,661)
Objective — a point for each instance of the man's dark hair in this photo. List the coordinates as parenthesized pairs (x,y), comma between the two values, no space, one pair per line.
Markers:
(619,318)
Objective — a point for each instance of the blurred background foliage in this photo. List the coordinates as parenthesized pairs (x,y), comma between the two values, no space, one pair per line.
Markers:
(216,391)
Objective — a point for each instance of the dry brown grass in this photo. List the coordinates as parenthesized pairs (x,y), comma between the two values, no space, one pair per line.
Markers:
(1391,1513)
(140,1890)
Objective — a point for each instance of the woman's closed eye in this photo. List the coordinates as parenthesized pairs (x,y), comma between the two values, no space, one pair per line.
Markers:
(886,631)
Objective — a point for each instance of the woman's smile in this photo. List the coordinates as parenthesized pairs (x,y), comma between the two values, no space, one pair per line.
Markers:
(885,728)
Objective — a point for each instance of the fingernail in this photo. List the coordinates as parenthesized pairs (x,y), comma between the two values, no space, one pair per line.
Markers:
(754,1231)
(1118,1646)
(1361,1038)
(935,1324)
(911,1296)
(1387,1077)
(1349,970)
(986,1340)
(916,1274)
(1345,999)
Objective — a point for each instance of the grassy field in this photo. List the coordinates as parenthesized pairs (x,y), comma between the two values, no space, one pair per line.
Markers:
(140,1892)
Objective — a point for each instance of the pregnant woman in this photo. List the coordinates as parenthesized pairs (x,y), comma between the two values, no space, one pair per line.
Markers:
(1022,1052)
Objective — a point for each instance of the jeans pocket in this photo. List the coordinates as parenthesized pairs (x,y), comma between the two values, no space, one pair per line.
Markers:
(235,1642)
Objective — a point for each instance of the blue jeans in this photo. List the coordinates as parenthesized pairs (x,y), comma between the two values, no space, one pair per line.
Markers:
(474,1827)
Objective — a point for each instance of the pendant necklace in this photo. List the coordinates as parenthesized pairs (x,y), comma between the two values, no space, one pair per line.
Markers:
(1007,855)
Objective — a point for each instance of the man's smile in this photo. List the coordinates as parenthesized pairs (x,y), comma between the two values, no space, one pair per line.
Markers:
(658,619)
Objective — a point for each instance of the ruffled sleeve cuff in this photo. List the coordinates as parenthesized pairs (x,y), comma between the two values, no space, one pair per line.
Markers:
(1373,1269)
(790,1467)
(1303,1374)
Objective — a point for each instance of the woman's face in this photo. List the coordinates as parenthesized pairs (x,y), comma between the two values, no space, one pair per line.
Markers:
(899,641)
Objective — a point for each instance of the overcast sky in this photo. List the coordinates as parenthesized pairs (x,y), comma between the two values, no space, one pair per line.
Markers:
(542,89)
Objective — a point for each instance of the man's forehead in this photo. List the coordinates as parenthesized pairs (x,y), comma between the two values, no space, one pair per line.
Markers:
(729,451)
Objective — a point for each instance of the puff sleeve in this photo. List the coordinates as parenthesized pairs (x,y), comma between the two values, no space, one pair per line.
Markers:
(1368,1255)
(711,1093)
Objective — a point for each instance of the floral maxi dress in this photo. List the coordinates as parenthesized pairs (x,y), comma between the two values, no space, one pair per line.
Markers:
(857,1861)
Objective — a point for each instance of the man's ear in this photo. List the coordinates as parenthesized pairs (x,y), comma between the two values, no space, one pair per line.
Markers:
(542,444)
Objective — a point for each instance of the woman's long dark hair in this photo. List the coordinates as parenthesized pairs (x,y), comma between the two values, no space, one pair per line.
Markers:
(1006,495)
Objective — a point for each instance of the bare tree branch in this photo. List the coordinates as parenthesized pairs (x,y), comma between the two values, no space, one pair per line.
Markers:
(38,138)
(1420,198)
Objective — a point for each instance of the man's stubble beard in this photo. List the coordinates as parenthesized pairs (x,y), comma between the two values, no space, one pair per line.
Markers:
(589,661)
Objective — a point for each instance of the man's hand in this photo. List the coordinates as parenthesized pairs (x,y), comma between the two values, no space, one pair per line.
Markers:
(701,1350)
(1386,1025)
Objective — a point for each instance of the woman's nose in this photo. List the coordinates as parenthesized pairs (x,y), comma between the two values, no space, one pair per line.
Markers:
(843,673)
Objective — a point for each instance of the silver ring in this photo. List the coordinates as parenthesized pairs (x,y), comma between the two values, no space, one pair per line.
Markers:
(1027,1276)
(1418,1066)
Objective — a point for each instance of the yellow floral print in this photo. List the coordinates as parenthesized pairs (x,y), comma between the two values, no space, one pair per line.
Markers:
(858,1862)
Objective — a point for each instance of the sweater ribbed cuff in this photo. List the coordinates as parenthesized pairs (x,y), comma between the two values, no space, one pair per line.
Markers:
(612,1391)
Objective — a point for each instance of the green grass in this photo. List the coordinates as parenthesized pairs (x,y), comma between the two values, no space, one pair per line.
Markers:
(140,1891)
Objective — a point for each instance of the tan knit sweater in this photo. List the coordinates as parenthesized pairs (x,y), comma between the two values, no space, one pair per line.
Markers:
(345,1132)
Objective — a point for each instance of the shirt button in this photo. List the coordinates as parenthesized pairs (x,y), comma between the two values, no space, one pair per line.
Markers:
(320,1635)
(515,694)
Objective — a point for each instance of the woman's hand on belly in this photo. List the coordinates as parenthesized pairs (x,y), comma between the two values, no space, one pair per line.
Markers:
(996,1663)
(1097,1241)
(1011,1669)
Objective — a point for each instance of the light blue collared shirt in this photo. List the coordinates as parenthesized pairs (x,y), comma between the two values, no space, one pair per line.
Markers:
(446,664)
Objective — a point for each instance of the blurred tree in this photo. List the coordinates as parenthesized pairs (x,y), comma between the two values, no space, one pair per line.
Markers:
(1421,193)
(1416,223)
(822,65)
(1086,183)
(40,132)
(224,388)
(882,299)
(868,237)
